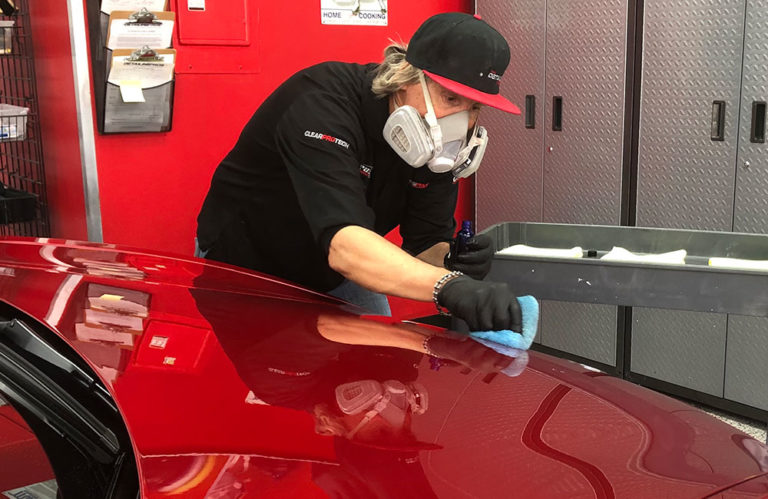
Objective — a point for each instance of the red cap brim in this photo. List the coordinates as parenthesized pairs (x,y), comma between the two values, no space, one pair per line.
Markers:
(492,100)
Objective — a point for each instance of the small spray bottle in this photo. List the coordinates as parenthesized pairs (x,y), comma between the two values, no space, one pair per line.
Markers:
(464,235)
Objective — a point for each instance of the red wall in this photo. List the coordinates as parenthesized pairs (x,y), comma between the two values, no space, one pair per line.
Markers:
(152,185)
(58,118)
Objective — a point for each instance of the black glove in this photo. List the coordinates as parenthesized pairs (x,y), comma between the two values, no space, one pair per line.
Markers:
(484,306)
(475,261)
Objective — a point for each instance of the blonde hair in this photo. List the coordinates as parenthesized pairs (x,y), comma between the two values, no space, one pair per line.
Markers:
(394,72)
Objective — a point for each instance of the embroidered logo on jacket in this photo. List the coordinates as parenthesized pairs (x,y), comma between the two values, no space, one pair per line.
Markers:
(418,185)
(365,170)
(326,137)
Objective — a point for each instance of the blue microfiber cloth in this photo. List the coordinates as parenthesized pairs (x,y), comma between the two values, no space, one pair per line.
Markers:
(508,342)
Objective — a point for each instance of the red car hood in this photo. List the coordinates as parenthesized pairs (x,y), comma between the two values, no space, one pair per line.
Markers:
(226,381)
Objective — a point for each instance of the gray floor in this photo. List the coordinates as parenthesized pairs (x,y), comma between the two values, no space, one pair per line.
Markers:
(755,429)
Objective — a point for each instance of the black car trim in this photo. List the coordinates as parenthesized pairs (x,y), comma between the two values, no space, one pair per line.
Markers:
(29,386)
(79,473)
(27,339)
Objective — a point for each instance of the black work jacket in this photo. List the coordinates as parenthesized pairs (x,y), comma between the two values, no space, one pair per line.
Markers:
(310,161)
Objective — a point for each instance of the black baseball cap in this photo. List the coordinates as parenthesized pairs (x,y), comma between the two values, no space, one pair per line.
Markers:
(464,54)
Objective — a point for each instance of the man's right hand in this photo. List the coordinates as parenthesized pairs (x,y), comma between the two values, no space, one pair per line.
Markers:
(484,306)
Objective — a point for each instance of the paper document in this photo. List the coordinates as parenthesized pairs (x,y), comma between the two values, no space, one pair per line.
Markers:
(139,96)
(107,6)
(148,74)
(139,92)
(354,12)
(130,91)
(125,33)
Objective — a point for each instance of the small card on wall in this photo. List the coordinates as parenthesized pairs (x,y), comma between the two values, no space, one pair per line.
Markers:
(354,12)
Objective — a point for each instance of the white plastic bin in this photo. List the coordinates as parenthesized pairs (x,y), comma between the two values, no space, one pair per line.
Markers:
(13,122)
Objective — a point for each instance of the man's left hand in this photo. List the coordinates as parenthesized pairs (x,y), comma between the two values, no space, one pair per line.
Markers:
(476,260)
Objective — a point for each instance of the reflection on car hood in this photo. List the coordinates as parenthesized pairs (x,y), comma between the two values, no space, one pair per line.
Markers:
(229,380)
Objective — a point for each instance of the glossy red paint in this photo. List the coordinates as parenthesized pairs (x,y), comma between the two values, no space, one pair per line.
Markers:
(224,378)
(748,488)
(22,460)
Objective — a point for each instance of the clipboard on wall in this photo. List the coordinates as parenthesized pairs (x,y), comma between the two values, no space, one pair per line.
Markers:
(139,91)
(132,29)
(109,6)
(98,13)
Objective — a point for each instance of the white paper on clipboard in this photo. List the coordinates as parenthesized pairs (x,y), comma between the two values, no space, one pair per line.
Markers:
(107,6)
(125,33)
(139,93)
(150,74)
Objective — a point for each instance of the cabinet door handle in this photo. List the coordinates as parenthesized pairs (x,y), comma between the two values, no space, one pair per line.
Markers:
(717,127)
(757,133)
(530,111)
(557,113)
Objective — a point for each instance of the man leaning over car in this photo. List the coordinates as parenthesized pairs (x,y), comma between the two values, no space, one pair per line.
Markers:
(340,154)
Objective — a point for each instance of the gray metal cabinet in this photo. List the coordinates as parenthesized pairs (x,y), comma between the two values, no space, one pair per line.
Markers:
(691,58)
(746,367)
(683,348)
(697,54)
(509,182)
(574,50)
(702,161)
(585,68)
(559,165)
(751,200)
(700,169)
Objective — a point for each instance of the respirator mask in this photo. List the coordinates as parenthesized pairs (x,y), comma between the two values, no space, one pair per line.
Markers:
(443,144)
(390,399)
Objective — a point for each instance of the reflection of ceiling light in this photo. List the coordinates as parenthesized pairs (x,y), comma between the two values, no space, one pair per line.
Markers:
(590,368)
(47,253)
(158,342)
(169,361)
(109,297)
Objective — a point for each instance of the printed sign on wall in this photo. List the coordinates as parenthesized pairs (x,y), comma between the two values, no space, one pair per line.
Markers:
(354,12)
